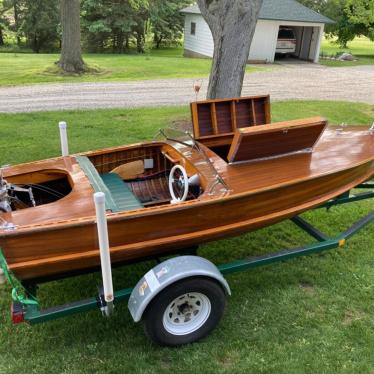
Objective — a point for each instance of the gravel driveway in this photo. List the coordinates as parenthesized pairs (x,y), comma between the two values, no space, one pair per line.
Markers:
(294,81)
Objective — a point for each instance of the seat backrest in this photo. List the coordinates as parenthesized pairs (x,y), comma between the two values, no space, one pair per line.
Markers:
(215,121)
(277,139)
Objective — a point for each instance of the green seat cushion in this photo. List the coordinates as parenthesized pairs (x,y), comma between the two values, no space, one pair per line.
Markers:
(120,192)
(118,196)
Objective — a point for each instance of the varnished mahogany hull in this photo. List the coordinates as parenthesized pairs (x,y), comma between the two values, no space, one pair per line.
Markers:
(69,247)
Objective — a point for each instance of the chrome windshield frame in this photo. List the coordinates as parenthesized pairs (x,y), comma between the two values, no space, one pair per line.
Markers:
(195,145)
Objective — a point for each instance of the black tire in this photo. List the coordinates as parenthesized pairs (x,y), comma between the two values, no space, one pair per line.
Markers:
(154,314)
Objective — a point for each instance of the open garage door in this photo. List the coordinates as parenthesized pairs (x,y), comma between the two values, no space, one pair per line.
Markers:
(307,42)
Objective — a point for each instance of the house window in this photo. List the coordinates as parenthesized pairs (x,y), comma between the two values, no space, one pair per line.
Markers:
(193,28)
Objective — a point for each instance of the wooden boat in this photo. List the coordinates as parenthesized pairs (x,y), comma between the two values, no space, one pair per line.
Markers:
(244,173)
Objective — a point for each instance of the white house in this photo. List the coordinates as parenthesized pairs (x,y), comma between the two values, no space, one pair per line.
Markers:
(307,24)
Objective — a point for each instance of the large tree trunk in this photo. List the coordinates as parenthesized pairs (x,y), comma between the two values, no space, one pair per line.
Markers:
(71,53)
(232,23)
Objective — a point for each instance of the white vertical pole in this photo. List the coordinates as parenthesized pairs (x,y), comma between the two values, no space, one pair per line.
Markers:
(106,267)
(64,139)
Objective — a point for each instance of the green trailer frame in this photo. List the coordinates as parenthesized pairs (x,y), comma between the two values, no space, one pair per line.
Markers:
(26,308)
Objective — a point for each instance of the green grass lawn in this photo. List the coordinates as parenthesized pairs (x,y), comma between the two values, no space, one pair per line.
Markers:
(27,68)
(362,48)
(308,315)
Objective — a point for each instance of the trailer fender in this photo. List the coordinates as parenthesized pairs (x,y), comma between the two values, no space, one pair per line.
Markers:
(167,273)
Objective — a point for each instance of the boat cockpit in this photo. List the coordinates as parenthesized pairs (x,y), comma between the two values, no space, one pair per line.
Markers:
(169,170)
(143,176)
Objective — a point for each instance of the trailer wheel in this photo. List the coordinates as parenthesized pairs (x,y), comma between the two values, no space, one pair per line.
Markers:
(185,312)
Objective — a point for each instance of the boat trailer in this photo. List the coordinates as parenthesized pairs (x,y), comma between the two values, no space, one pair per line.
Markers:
(183,321)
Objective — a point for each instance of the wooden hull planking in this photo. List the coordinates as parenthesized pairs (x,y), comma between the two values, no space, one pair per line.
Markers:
(75,247)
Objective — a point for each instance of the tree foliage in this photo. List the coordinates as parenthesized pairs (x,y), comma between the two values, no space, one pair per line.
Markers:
(34,20)
(106,24)
(39,23)
(361,14)
(353,17)
(115,24)
(316,5)
(111,23)
(166,20)
(5,6)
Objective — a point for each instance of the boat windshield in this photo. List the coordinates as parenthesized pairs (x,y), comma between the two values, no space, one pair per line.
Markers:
(185,138)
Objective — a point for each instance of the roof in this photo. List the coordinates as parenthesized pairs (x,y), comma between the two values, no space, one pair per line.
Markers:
(285,10)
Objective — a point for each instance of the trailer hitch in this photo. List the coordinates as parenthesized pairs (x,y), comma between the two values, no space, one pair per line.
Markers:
(22,298)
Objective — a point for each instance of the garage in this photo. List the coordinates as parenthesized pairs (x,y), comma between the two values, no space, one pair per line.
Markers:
(299,42)
(306,25)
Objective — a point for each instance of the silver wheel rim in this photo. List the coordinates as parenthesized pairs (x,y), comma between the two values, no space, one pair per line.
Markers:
(187,313)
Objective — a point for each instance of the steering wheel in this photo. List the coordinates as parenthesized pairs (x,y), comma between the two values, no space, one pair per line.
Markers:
(178,184)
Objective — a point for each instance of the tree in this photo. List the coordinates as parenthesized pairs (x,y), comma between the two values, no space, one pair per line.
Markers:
(361,14)
(140,17)
(39,23)
(16,7)
(4,22)
(232,23)
(7,15)
(107,24)
(353,18)
(317,5)
(71,60)
(166,20)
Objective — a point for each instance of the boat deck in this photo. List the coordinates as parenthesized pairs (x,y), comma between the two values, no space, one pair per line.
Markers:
(337,150)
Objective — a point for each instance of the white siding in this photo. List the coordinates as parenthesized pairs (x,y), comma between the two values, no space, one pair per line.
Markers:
(202,41)
(264,41)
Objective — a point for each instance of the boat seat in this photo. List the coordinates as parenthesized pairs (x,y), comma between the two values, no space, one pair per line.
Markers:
(120,192)
(118,195)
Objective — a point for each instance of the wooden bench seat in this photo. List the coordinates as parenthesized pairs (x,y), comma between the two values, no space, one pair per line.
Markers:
(118,196)
(121,193)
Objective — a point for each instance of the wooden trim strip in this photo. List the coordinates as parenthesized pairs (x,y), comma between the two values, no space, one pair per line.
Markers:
(213,114)
(233,116)
(267,110)
(286,125)
(234,146)
(231,99)
(195,120)
(253,109)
